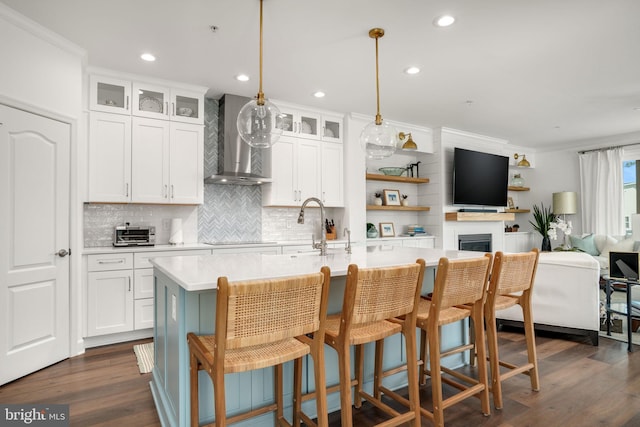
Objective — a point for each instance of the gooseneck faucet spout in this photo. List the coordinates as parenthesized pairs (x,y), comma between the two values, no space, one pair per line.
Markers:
(323,241)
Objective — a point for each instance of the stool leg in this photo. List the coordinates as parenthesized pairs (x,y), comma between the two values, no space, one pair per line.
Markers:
(494,358)
(409,333)
(423,356)
(359,365)
(321,390)
(278,391)
(219,397)
(478,326)
(297,391)
(344,363)
(530,337)
(436,376)
(193,380)
(377,372)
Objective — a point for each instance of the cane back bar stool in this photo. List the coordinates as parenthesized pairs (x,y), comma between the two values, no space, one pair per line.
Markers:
(374,299)
(259,324)
(459,292)
(511,283)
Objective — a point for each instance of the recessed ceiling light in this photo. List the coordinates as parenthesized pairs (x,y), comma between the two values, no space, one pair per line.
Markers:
(319,94)
(444,21)
(412,70)
(242,78)
(148,57)
(636,109)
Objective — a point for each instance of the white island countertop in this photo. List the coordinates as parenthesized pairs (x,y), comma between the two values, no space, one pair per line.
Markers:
(198,273)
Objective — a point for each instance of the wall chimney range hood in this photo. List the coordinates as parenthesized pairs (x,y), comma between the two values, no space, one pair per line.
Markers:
(234,155)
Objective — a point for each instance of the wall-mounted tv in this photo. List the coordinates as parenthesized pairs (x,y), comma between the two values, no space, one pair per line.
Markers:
(479,179)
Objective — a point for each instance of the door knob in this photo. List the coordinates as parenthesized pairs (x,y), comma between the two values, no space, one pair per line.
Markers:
(62,253)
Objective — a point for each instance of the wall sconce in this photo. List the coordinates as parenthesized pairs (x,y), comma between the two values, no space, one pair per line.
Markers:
(409,144)
(524,163)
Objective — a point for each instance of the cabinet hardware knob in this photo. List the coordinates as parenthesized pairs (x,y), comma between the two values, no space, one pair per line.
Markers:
(63,253)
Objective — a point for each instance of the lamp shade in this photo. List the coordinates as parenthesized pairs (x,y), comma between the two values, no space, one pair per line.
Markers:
(565,203)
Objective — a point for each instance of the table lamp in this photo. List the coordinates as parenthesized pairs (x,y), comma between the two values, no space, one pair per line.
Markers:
(565,203)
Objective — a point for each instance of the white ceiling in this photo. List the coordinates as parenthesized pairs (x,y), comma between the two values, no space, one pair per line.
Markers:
(543,73)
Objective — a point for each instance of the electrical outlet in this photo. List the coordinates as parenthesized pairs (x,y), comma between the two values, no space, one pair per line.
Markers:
(288,223)
(166,224)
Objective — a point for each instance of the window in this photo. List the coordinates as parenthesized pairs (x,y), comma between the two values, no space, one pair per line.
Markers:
(629,174)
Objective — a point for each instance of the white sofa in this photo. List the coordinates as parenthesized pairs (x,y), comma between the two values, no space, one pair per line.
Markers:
(566,295)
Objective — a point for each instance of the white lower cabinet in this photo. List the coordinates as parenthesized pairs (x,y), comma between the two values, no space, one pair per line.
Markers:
(120,290)
(109,294)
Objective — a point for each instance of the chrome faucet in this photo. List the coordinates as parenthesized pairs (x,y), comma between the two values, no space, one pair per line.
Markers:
(323,241)
(347,232)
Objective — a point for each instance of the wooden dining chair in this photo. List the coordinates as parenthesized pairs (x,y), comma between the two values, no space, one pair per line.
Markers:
(374,301)
(511,284)
(459,293)
(259,324)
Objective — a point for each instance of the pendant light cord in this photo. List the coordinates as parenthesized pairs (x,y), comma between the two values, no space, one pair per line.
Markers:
(260,97)
(376,33)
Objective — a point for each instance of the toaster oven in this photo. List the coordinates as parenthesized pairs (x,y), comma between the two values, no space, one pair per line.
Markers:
(131,235)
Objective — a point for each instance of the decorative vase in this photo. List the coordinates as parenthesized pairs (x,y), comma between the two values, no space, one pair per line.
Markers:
(372,234)
(517,181)
(404,202)
(546,244)
(377,201)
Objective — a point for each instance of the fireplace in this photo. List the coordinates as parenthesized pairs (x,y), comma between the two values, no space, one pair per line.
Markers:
(474,242)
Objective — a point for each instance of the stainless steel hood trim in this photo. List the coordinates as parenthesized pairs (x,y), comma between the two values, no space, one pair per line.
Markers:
(234,155)
(237,178)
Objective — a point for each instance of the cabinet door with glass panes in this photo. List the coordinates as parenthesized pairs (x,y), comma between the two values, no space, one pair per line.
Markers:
(303,124)
(109,95)
(151,101)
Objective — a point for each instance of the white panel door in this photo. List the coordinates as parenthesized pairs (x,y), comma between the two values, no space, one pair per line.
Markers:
(34,225)
(284,168)
(150,161)
(186,165)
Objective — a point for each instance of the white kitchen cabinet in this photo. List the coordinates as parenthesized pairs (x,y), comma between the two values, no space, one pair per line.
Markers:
(186,163)
(150,161)
(300,123)
(165,103)
(109,294)
(332,176)
(295,168)
(109,95)
(332,127)
(109,157)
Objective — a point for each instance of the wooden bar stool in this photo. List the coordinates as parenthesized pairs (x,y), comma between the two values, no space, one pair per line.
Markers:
(459,293)
(263,323)
(374,299)
(511,283)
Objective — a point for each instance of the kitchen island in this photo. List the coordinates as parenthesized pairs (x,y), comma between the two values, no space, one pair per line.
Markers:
(185,300)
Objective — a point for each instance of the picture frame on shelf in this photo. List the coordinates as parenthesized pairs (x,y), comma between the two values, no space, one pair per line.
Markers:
(391,197)
(387,230)
(510,203)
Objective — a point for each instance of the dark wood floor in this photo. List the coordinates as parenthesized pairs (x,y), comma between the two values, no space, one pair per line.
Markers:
(582,385)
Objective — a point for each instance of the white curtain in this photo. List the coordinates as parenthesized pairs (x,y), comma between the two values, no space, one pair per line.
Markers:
(602,191)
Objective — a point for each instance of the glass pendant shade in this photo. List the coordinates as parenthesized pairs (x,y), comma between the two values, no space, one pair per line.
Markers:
(257,124)
(378,141)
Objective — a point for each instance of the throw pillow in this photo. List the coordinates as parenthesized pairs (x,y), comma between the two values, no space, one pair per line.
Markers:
(625,245)
(585,244)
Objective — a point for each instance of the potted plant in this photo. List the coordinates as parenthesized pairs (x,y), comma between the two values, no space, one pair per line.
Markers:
(543,217)
(372,231)
(378,200)
(404,200)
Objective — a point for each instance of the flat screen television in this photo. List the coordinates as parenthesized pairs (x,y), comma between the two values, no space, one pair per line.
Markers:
(479,179)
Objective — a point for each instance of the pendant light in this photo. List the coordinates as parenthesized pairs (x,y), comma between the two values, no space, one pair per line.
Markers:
(378,138)
(257,120)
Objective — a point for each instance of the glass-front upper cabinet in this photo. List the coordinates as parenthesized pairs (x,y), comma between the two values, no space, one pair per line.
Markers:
(298,123)
(109,95)
(187,107)
(151,101)
(332,128)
